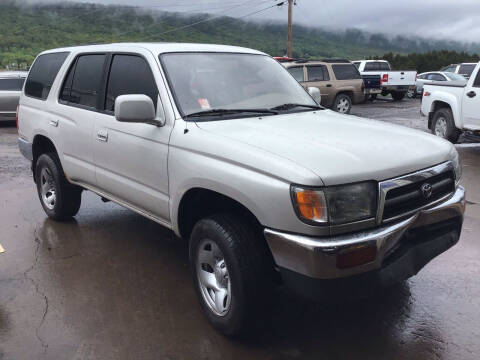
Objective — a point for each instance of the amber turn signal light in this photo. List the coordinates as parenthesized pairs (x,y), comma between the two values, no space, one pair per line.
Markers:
(311,204)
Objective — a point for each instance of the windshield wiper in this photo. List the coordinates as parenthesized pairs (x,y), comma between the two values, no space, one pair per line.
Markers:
(216,112)
(289,106)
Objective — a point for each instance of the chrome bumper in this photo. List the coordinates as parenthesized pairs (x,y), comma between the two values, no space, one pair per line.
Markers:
(25,148)
(317,257)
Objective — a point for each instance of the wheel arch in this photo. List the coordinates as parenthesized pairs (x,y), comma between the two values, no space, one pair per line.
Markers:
(199,202)
(41,144)
(436,105)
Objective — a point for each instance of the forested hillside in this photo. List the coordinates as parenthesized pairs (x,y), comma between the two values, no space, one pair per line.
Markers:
(27,30)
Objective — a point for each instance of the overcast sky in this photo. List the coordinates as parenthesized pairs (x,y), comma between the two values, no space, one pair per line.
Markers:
(442,19)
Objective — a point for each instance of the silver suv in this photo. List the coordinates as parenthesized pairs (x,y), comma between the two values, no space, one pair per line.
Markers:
(11,83)
(224,147)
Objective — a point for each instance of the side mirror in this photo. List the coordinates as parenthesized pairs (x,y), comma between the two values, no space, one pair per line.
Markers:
(136,109)
(315,94)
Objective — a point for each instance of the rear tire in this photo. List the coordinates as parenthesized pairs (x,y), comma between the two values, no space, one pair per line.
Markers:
(398,95)
(226,244)
(342,104)
(443,125)
(60,199)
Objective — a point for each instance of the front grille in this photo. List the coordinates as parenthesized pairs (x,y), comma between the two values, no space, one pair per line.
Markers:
(405,199)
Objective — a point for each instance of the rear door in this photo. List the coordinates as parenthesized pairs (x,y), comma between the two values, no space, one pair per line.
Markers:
(471,103)
(318,76)
(77,111)
(131,158)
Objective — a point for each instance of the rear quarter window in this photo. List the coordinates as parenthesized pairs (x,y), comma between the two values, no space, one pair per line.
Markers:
(11,84)
(466,69)
(43,74)
(346,72)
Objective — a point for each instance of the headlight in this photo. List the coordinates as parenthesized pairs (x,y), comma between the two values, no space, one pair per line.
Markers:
(457,166)
(337,204)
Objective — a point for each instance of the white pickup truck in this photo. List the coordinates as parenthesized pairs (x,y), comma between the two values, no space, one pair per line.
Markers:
(380,79)
(453,108)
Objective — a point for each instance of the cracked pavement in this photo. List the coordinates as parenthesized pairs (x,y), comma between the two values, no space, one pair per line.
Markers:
(113,285)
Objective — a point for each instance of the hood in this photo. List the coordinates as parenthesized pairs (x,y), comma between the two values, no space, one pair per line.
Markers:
(338,148)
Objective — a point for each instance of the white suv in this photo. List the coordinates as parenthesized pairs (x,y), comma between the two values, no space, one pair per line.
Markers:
(223,146)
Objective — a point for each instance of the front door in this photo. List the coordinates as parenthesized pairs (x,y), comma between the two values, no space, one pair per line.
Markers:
(131,158)
(471,104)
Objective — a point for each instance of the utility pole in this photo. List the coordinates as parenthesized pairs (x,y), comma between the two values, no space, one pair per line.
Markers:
(289,32)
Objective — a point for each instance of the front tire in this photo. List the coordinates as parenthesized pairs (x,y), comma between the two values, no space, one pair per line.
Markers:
(60,199)
(342,104)
(412,93)
(231,271)
(444,126)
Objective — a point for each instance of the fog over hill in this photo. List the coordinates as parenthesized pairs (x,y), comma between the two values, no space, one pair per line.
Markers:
(28,27)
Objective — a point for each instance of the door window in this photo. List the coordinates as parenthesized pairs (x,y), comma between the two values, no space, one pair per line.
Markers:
(11,84)
(83,83)
(43,74)
(476,83)
(436,77)
(130,74)
(317,73)
(297,73)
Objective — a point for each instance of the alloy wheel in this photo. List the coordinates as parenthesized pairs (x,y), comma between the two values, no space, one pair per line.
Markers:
(441,127)
(343,106)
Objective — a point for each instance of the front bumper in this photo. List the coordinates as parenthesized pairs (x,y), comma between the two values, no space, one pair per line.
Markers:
(321,258)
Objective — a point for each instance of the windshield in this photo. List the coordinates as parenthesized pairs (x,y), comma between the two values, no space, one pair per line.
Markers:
(203,82)
(455,77)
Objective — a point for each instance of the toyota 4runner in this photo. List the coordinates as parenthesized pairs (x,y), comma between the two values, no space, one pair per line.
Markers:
(224,147)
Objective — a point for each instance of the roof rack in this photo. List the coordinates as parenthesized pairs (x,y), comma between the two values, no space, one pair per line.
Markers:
(335,60)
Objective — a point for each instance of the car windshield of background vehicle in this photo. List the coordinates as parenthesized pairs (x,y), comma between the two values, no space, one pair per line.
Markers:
(346,72)
(208,81)
(11,84)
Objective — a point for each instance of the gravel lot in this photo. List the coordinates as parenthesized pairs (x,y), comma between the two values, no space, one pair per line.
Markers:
(114,285)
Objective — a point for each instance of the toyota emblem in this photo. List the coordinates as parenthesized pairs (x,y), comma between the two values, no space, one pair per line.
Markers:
(426,190)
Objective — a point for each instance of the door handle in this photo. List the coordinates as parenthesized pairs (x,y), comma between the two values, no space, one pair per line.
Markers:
(471,94)
(53,123)
(329,85)
(102,136)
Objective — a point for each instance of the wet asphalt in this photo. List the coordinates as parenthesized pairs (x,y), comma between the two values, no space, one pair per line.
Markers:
(113,285)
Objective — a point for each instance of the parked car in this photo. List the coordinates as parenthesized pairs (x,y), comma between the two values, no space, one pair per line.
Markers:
(221,145)
(453,107)
(464,69)
(428,77)
(339,82)
(380,79)
(11,83)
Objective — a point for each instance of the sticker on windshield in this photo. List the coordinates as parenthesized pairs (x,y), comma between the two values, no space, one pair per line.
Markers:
(204,104)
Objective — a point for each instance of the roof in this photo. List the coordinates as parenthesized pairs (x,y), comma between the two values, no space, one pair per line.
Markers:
(158,48)
(379,60)
(13,74)
(314,62)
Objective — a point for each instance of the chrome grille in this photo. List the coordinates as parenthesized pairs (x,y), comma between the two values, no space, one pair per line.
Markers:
(405,195)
